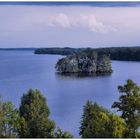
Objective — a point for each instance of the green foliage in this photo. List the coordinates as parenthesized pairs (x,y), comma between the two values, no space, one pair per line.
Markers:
(90,110)
(116,126)
(32,118)
(31,121)
(9,120)
(60,134)
(129,106)
(35,112)
(97,122)
(23,129)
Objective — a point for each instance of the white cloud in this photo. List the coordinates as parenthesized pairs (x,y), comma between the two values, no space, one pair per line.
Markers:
(69,26)
(87,21)
(93,24)
(59,19)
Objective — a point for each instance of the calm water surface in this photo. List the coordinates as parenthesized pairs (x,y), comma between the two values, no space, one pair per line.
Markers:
(66,95)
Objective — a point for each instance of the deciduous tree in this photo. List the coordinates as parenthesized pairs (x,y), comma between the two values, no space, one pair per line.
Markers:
(97,122)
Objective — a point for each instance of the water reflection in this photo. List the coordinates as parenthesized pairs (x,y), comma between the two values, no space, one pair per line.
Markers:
(80,75)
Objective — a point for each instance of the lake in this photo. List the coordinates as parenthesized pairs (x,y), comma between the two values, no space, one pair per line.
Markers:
(66,95)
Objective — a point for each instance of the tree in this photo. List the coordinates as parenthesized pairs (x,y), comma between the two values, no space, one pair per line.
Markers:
(116,127)
(62,134)
(90,113)
(97,122)
(35,113)
(129,106)
(9,120)
(23,129)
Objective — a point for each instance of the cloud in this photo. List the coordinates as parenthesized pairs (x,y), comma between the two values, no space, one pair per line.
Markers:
(87,21)
(94,25)
(73,26)
(59,19)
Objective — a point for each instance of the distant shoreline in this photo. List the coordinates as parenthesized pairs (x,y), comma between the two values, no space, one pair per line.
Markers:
(114,53)
(18,49)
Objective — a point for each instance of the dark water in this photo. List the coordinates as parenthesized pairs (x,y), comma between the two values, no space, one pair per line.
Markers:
(66,95)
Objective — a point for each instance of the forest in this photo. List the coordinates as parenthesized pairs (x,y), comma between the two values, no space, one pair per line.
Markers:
(115,53)
(32,118)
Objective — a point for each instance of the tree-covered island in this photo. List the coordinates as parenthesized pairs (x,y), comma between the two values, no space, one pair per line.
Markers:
(86,61)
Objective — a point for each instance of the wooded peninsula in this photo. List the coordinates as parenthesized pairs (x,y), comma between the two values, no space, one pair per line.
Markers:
(114,53)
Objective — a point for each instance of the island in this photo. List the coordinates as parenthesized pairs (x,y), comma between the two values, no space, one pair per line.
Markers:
(86,61)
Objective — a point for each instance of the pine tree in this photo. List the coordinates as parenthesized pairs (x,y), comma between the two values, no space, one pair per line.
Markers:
(35,114)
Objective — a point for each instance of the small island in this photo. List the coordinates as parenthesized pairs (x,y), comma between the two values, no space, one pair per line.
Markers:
(86,61)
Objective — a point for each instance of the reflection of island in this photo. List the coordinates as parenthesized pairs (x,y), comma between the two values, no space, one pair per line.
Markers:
(80,75)
(84,62)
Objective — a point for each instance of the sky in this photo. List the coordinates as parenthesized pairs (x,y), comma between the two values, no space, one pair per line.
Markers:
(69,24)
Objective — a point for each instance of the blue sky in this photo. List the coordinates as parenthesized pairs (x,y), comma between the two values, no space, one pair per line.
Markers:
(69,24)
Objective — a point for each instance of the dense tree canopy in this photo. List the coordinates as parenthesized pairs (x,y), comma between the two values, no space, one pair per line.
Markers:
(97,122)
